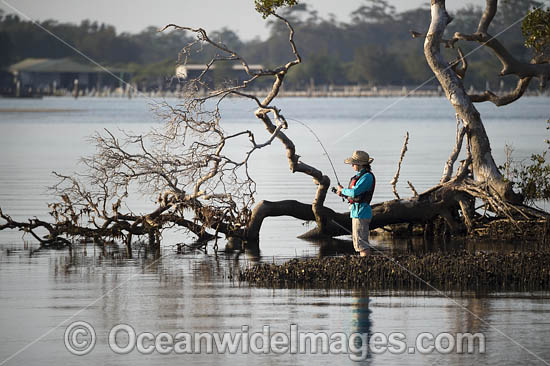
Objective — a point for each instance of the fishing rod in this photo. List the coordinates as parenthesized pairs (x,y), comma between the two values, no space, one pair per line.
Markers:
(333,189)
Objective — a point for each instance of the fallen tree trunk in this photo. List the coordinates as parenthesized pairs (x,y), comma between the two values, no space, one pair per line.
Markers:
(449,201)
(202,189)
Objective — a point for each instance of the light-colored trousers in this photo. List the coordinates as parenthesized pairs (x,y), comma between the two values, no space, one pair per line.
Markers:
(360,233)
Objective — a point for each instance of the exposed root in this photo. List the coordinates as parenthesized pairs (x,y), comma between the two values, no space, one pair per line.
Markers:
(503,229)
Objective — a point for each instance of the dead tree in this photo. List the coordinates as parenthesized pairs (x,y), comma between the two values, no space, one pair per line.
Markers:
(199,186)
(478,177)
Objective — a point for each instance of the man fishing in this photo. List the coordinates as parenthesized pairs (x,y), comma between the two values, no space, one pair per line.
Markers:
(359,194)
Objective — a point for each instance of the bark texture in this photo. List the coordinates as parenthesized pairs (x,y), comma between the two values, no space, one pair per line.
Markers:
(483,164)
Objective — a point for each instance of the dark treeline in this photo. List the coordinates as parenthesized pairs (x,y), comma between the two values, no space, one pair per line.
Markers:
(374,48)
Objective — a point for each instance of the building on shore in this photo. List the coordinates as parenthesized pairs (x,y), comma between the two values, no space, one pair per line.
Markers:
(235,72)
(43,76)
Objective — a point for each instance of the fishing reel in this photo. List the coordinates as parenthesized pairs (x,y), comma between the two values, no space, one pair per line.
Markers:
(335,191)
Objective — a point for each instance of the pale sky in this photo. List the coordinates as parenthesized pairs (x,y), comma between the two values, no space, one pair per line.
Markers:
(134,15)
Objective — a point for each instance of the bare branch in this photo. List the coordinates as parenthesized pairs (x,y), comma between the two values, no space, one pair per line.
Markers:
(514,95)
(396,176)
(460,72)
(487,16)
(449,43)
(463,170)
(415,193)
(510,65)
(448,169)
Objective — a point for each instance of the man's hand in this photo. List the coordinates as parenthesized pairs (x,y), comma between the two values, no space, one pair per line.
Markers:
(339,191)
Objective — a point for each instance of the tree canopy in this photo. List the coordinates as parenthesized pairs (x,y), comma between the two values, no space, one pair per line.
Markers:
(352,52)
(536,30)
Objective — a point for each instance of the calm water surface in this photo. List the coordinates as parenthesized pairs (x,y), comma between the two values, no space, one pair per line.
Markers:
(42,294)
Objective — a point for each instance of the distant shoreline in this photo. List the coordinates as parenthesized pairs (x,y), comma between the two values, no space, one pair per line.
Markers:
(323,92)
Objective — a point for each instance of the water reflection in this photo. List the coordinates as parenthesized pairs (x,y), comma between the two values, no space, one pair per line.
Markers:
(475,310)
(362,324)
(189,291)
(198,292)
(420,245)
(331,247)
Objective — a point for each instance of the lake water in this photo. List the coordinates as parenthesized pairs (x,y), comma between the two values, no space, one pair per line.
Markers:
(41,294)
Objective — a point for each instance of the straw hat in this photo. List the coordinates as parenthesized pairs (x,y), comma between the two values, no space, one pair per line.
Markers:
(359,158)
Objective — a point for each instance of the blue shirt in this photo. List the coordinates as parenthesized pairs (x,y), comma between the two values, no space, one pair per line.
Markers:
(360,210)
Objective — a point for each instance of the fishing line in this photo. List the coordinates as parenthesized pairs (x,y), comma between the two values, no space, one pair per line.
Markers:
(122,81)
(443,294)
(322,146)
(410,93)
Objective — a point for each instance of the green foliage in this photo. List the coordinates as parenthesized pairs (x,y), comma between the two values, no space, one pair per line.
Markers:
(536,29)
(267,7)
(532,179)
(377,11)
(373,65)
(98,41)
(222,73)
(7,46)
(154,72)
(374,47)
(321,69)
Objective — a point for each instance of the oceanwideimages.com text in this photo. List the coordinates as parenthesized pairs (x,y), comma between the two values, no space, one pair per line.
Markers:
(80,339)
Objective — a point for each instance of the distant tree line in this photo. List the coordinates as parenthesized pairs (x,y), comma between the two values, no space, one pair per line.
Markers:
(373,48)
